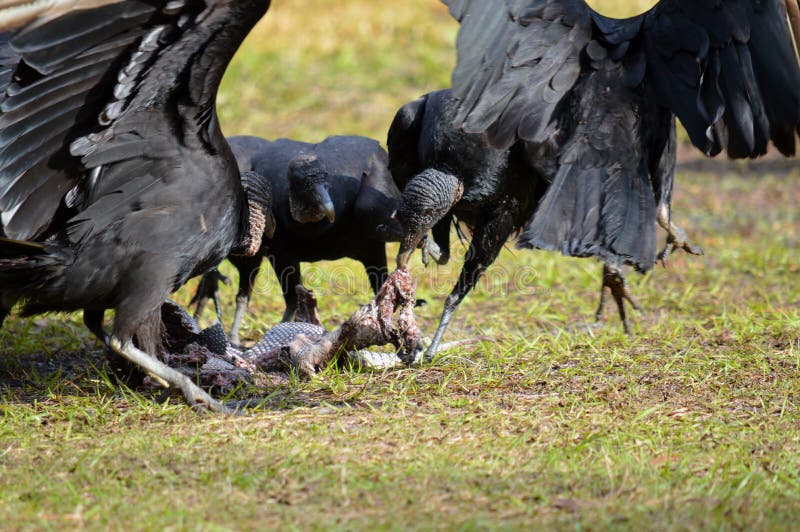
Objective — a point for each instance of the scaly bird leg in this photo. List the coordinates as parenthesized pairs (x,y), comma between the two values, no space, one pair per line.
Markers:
(208,288)
(248,268)
(168,377)
(488,239)
(618,286)
(120,367)
(676,237)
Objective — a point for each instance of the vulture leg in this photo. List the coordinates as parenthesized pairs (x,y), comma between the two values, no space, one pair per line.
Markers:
(141,305)
(618,286)
(167,377)
(676,237)
(248,270)
(122,370)
(7,301)
(289,276)
(93,319)
(487,241)
(208,288)
(6,304)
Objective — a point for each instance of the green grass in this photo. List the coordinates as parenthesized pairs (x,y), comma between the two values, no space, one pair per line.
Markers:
(692,423)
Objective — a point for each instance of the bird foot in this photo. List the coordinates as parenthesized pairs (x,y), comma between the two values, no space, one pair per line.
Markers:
(677,239)
(431,251)
(168,377)
(208,288)
(620,291)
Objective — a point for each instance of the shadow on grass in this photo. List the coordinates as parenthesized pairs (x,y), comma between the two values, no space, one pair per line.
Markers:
(42,365)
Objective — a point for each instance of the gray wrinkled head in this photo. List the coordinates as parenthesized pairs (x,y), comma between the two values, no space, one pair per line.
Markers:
(309,197)
(427,198)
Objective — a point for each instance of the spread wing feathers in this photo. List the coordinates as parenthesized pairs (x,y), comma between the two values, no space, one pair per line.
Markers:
(516,61)
(8,63)
(601,201)
(403,141)
(16,13)
(133,183)
(726,68)
(75,65)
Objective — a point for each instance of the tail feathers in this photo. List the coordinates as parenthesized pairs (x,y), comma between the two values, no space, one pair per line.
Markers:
(604,212)
(25,265)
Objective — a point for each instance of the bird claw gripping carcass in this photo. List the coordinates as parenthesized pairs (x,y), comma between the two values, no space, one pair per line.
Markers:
(302,345)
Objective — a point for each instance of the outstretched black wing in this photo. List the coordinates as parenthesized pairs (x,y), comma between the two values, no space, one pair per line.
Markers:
(726,68)
(598,94)
(516,62)
(64,74)
(77,79)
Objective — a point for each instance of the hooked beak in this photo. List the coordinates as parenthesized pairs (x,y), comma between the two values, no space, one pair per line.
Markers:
(326,203)
(330,213)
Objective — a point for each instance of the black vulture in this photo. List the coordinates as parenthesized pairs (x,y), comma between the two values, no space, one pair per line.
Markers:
(587,104)
(424,137)
(110,149)
(328,200)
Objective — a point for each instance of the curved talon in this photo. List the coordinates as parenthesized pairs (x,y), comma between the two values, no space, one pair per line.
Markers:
(676,239)
(620,291)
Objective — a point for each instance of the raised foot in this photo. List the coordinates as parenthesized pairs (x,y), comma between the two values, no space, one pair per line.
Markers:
(677,239)
(168,377)
(618,287)
(431,251)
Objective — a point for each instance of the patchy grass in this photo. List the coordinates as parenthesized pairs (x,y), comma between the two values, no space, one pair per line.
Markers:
(692,423)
